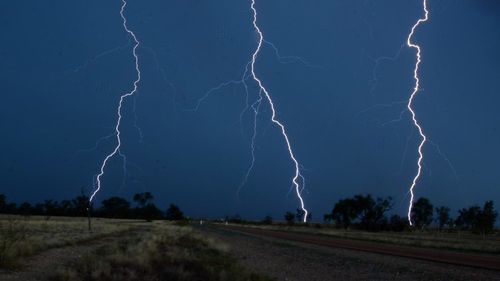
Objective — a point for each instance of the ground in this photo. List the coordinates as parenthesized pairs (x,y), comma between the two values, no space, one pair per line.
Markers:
(63,249)
(291,261)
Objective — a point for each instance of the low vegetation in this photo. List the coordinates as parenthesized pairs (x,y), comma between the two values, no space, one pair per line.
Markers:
(365,218)
(167,252)
(172,250)
(25,236)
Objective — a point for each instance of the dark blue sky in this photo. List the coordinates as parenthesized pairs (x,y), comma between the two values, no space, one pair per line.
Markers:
(64,64)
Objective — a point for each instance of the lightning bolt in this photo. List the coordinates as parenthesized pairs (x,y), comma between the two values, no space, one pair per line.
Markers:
(120,104)
(95,147)
(378,61)
(410,108)
(255,107)
(136,126)
(263,90)
(98,56)
(291,59)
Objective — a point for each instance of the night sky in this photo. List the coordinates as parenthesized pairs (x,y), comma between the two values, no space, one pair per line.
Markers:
(64,64)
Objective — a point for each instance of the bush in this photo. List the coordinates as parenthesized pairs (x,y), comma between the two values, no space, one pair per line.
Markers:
(168,253)
(14,242)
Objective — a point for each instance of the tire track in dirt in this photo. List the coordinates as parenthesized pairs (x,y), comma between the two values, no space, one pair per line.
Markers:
(435,255)
(39,266)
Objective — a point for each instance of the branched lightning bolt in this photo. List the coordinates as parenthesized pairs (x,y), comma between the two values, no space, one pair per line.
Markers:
(246,76)
(98,56)
(445,158)
(401,114)
(255,107)
(290,59)
(377,61)
(136,126)
(122,98)
(273,116)
(95,147)
(374,83)
(221,86)
(410,108)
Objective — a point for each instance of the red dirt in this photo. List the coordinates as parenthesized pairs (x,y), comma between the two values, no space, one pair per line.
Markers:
(435,255)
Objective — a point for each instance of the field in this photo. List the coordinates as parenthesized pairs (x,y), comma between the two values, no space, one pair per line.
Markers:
(25,236)
(62,249)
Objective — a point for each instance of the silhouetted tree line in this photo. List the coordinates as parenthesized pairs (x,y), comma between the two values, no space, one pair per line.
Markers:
(291,217)
(366,213)
(113,207)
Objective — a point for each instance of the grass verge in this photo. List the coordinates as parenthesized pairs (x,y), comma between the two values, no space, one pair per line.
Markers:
(25,236)
(167,252)
(460,242)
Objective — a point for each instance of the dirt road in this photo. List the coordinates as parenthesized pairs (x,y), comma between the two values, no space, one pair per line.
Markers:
(300,258)
(443,256)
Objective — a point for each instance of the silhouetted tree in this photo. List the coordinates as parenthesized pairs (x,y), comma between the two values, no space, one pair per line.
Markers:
(50,208)
(362,204)
(421,213)
(145,208)
(486,218)
(467,218)
(143,198)
(289,218)
(443,216)
(476,219)
(151,212)
(38,209)
(25,209)
(66,208)
(397,223)
(11,208)
(371,212)
(174,213)
(115,207)
(3,203)
(344,212)
(80,205)
(327,218)
(267,220)
(299,213)
(234,219)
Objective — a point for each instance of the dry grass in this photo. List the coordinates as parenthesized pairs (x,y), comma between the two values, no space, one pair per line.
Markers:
(167,252)
(461,241)
(24,236)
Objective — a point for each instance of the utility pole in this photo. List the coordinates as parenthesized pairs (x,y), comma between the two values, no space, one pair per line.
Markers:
(89,207)
(88,212)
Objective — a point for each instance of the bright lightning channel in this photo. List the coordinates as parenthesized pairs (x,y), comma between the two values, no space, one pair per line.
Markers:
(410,108)
(297,175)
(122,98)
